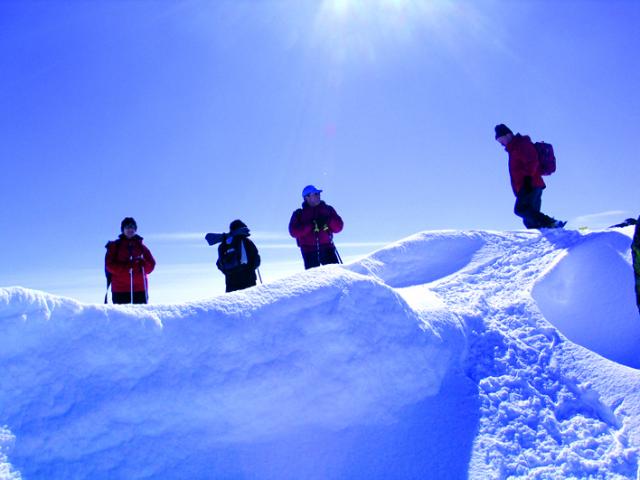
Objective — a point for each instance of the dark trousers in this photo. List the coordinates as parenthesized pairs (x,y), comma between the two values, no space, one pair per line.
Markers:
(325,255)
(240,280)
(527,207)
(125,297)
(638,291)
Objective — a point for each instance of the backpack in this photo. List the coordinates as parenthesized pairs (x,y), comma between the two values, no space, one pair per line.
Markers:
(546,158)
(230,257)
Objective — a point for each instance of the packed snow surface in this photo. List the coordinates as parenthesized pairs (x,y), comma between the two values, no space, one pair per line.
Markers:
(447,355)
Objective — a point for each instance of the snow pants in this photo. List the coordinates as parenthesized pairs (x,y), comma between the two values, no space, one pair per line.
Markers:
(125,297)
(527,207)
(239,280)
(324,255)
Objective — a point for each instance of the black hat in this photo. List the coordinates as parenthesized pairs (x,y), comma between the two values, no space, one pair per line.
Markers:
(126,222)
(502,130)
(236,224)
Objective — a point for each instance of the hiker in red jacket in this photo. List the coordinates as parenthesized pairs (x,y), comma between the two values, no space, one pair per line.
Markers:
(526,181)
(313,227)
(129,262)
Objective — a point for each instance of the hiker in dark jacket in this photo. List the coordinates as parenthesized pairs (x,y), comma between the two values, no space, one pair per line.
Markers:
(129,261)
(635,253)
(313,227)
(238,258)
(526,181)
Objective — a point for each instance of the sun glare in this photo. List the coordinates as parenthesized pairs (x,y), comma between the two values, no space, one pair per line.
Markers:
(343,7)
(362,28)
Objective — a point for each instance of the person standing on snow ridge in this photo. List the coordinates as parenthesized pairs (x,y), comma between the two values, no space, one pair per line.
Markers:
(313,227)
(238,257)
(129,261)
(635,253)
(526,181)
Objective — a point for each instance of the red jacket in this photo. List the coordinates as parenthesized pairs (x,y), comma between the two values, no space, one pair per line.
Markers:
(125,254)
(523,162)
(302,228)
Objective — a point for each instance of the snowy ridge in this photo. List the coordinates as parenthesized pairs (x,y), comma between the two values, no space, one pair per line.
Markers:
(537,422)
(6,440)
(448,354)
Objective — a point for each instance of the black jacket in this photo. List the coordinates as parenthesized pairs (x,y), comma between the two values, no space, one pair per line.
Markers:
(241,254)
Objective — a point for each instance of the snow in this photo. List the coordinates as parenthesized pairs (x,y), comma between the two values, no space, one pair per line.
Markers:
(445,355)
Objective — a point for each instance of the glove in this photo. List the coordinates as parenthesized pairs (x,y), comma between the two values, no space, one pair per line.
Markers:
(137,263)
(320,223)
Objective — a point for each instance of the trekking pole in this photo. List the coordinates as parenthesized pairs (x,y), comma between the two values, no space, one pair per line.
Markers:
(130,248)
(337,254)
(106,294)
(146,288)
(317,230)
(259,276)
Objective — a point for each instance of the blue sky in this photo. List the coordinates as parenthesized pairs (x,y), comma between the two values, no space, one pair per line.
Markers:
(187,115)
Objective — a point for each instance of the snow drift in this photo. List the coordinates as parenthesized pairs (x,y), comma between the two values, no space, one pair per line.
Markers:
(441,356)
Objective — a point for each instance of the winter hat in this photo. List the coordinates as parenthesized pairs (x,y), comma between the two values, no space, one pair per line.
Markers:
(308,190)
(502,130)
(237,224)
(126,222)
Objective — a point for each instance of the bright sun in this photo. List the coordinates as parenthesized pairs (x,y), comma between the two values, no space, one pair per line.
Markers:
(361,28)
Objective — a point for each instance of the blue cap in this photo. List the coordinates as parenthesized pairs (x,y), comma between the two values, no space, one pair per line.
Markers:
(308,190)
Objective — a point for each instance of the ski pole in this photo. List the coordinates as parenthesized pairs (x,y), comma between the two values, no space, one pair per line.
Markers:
(106,293)
(130,248)
(337,254)
(146,291)
(259,276)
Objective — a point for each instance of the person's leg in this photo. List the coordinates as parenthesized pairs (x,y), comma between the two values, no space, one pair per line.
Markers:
(139,297)
(240,280)
(528,206)
(525,209)
(311,260)
(120,298)
(328,255)
(545,221)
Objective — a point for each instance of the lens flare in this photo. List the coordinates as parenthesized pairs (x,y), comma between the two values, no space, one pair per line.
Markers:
(350,29)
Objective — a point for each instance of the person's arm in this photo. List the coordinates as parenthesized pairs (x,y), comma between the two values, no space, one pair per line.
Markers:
(297,227)
(252,254)
(111,262)
(335,222)
(518,169)
(218,263)
(148,261)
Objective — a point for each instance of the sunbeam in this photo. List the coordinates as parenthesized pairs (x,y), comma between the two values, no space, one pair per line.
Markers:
(351,29)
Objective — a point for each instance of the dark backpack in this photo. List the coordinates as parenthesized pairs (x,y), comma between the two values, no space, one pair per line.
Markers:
(546,158)
(229,257)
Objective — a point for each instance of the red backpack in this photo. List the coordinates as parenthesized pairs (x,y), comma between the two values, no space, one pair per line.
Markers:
(546,158)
